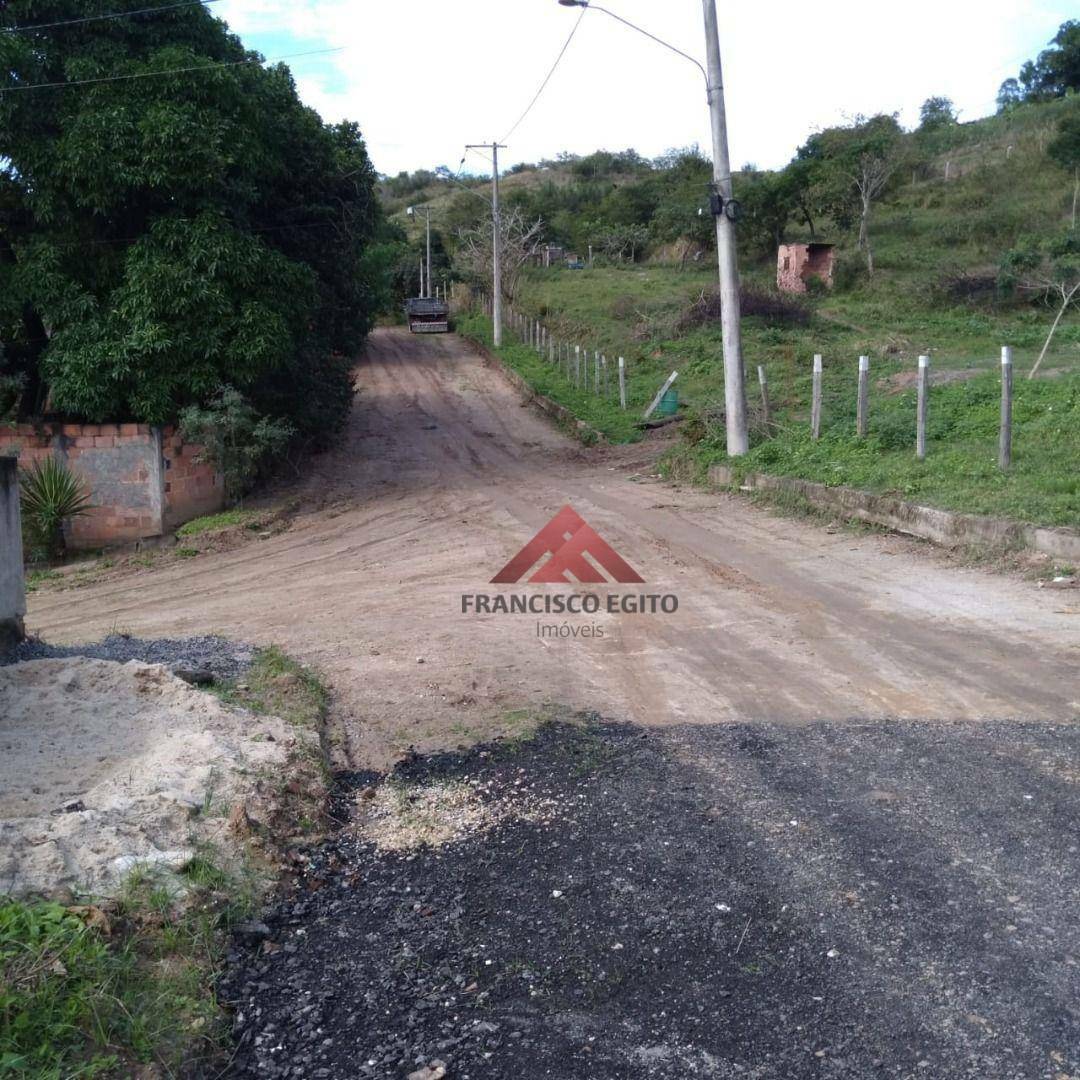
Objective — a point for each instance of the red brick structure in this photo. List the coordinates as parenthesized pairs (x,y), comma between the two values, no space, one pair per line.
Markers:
(142,481)
(796,263)
(192,487)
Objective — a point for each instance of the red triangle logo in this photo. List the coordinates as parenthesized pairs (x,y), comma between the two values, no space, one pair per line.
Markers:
(567,539)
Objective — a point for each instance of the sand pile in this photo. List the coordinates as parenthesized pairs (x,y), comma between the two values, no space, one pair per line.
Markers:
(104,766)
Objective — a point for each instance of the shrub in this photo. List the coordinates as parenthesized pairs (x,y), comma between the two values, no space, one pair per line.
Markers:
(240,442)
(971,288)
(51,494)
(849,271)
(774,307)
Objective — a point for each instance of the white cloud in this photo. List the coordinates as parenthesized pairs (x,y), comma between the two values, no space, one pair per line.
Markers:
(423,78)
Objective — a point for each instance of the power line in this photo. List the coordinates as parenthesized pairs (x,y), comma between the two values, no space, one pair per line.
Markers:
(453,178)
(473,150)
(102,18)
(168,71)
(547,79)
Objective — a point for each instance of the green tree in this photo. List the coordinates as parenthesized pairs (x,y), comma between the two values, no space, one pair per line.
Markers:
(170,232)
(1009,95)
(768,200)
(1052,74)
(854,165)
(849,168)
(936,112)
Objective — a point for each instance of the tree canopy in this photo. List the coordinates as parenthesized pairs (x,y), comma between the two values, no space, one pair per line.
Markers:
(1052,74)
(168,232)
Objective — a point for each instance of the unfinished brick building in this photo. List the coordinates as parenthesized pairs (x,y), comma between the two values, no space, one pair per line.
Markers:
(796,263)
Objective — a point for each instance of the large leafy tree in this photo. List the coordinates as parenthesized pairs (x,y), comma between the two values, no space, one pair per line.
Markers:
(936,112)
(850,168)
(165,232)
(1052,74)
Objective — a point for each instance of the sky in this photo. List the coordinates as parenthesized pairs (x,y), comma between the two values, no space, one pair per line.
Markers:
(424,77)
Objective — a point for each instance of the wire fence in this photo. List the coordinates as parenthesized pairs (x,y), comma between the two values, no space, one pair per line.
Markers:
(587,369)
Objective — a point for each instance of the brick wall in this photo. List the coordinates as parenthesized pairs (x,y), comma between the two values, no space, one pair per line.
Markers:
(192,488)
(142,481)
(795,263)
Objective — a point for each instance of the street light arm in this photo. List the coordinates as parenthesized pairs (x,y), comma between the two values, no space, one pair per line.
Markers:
(652,37)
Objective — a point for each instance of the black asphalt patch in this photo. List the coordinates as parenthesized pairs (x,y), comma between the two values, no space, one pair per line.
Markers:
(836,900)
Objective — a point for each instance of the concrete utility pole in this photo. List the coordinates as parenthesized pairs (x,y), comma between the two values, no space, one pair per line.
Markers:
(496,233)
(730,314)
(725,211)
(427,221)
(425,291)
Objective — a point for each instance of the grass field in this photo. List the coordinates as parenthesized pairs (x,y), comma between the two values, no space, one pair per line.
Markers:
(928,234)
(635,311)
(938,244)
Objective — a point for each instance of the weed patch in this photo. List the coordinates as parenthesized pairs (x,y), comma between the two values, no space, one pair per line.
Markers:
(601,412)
(227,519)
(90,991)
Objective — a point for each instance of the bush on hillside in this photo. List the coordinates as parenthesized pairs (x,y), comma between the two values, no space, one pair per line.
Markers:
(773,307)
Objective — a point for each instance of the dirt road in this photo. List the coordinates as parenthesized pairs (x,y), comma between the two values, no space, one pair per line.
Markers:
(443,475)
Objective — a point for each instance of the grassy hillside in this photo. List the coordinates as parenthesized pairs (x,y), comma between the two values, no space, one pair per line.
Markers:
(938,245)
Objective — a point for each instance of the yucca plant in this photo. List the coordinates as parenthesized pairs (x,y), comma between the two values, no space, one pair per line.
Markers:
(50,495)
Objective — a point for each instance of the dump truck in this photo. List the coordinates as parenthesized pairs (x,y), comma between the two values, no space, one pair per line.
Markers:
(427,316)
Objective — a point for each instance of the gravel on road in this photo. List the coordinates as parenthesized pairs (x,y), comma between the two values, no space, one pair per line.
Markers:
(895,899)
(220,657)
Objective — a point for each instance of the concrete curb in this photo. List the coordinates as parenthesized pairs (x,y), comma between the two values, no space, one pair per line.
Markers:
(559,413)
(926,522)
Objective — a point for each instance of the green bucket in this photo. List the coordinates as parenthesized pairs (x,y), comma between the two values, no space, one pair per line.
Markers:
(669,403)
